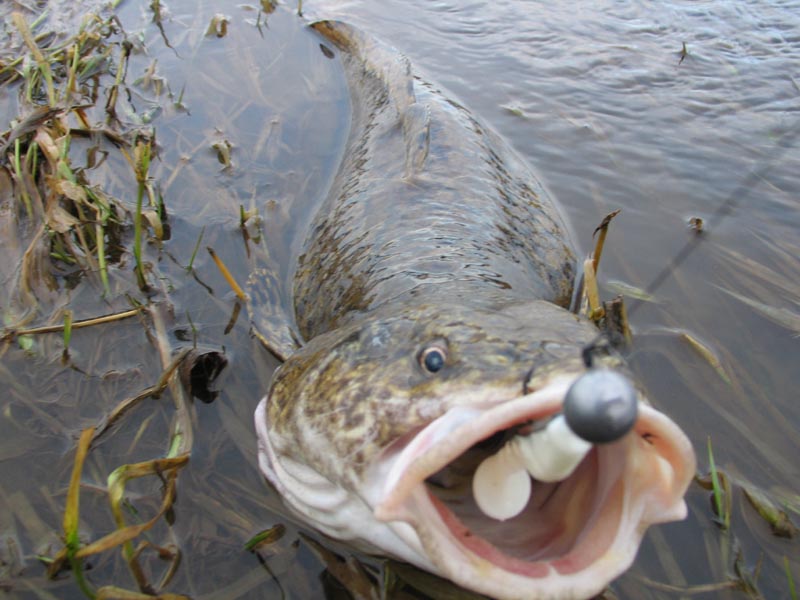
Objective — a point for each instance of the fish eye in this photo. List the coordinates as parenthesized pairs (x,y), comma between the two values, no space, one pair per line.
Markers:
(432,358)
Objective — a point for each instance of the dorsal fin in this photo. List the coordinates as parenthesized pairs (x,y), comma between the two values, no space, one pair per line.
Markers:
(417,134)
(393,70)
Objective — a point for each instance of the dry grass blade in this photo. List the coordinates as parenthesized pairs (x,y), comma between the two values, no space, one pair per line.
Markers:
(348,572)
(32,271)
(115,593)
(615,323)
(182,436)
(27,125)
(72,509)
(149,392)
(707,354)
(778,520)
(116,490)
(593,309)
(754,276)
(227,275)
(73,229)
(125,314)
(268,536)
(46,181)
(125,405)
(781,316)
(602,229)
(44,65)
(691,590)
(588,287)
(117,480)
(72,505)
(631,291)
(171,554)
(124,473)
(124,534)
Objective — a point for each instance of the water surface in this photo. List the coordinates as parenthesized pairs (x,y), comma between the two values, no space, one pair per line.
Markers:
(599,98)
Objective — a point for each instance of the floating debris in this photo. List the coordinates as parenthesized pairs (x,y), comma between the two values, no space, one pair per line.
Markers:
(696,224)
(223,149)
(513,109)
(707,354)
(778,520)
(218,26)
(684,53)
(266,537)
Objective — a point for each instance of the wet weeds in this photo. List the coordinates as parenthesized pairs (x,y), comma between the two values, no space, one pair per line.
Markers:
(721,491)
(76,223)
(73,232)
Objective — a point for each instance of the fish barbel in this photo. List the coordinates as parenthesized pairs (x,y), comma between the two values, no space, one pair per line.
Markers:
(431,300)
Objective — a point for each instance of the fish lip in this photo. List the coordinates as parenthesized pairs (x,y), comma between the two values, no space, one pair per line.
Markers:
(639,496)
(418,459)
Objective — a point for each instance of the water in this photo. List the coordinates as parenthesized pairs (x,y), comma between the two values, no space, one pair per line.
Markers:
(596,96)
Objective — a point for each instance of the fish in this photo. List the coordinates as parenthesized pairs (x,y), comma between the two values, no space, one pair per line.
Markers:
(431,324)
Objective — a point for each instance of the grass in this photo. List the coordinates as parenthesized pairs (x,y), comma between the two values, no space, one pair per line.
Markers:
(67,332)
(227,275)
(80,232)
(141,168)
(789,579)
(721,499)
(80,220)
(190,266)
(71,512)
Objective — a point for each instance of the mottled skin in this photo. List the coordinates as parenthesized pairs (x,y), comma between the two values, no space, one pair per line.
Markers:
(434,234)
(461,220)
(364,382)
(454,243)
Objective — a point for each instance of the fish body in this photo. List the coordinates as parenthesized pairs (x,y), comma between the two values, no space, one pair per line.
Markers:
(431,298)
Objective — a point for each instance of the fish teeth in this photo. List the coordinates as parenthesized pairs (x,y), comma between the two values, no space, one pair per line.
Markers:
(501,485)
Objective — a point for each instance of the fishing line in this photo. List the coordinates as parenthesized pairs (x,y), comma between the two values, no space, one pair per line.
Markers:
(715,219)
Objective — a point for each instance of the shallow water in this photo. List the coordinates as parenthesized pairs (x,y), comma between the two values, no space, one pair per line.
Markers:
(596,97)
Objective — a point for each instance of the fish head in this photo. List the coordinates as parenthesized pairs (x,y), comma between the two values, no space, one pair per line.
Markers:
(372,433)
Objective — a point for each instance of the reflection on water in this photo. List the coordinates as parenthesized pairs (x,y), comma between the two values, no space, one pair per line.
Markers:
(599,98)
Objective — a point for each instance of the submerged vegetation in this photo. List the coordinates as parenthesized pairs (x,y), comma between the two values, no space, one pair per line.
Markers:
(102,353)
(70,231)
(64,227)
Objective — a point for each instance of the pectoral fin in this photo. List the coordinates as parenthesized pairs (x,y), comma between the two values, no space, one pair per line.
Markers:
(271,321)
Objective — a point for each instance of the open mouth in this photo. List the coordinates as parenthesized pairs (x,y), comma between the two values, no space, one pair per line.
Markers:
(548,527)
(576,534)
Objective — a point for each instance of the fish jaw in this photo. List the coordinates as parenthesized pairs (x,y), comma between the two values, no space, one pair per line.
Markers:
(586,530)
(330,507)
(597,516)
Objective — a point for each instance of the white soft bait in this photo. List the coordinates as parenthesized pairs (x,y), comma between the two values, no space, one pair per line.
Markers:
(600,407)
(502,483)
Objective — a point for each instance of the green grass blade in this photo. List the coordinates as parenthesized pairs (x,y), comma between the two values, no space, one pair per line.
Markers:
(719,503)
